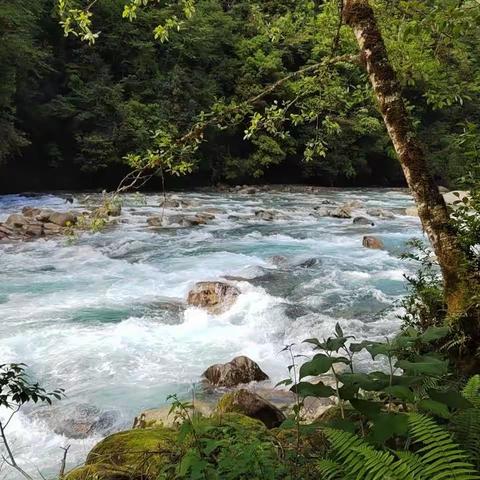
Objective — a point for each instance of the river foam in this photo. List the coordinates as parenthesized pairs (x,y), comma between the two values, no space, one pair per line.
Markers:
(104,316)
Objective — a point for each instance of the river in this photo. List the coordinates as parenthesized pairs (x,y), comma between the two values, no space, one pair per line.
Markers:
(102,316)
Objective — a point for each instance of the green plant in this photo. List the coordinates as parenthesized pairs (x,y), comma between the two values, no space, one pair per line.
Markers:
(435,456)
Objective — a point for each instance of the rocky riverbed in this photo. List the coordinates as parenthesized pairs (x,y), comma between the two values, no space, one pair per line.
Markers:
(120,319)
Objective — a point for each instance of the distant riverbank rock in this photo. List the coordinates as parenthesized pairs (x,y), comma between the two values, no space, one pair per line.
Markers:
(380,212)
(216,297)
(372,242)
(238,371)
(36,222)
(174,203)
(363,221)
(252,405)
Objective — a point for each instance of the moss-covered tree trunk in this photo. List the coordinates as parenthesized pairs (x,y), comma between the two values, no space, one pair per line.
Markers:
(432,210)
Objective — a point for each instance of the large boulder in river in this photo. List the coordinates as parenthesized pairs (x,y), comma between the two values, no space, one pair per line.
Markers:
(16,220)
(62,219)
(267,215)
(372,242)
(240,370)
(216,297)
(252,405)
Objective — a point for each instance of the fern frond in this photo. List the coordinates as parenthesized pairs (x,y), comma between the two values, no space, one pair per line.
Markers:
(466,429)
(471,391)
(441,457)
(331,470)
(359,459)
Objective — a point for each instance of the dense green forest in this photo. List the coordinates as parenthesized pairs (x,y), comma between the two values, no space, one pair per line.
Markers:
(71,111)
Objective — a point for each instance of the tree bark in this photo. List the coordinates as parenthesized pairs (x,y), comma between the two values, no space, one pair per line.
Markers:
(432,209)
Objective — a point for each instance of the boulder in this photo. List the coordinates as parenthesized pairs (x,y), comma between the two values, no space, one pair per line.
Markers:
(239,370)
(252,405)
(51,228)
(216,297)
(30,211)
(62,219)
(162,417)
(320,212)
(33,229)
(44,215)
(205,217)
(363,221)
(15,220)
(78,421)
(411,211)
(341,212)
(380,212)
(174,203)
(154,221)
(142,453)
(353,204)
(250,190)
(372,242)
(266,215)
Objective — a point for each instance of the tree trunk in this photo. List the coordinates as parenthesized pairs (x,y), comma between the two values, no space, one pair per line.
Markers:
(432,210)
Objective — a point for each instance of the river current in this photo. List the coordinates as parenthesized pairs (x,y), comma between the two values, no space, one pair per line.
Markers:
(103,315)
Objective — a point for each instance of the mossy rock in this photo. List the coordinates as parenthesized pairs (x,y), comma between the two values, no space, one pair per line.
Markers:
(252,405)
(239,419)
(97,472)
(129,455)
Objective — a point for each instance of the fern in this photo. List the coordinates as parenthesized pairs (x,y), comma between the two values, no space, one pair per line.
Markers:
(438,456)
(471,391)
(466,423)
(441,457)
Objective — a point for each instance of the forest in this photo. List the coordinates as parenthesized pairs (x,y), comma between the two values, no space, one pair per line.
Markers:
(72,111)
(240,240)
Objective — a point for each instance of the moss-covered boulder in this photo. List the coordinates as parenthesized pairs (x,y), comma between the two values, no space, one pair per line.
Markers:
(252,405)
(133,454)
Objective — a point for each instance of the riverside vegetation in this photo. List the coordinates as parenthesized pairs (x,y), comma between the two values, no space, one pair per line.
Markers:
(418,415)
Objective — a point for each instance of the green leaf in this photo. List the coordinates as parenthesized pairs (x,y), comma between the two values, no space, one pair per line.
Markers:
(451,398)
(434,333)
(387,425)
(424,365)
(400,391)
(372,382)
(437,408)
(306,389)
(320,364)
(366,407)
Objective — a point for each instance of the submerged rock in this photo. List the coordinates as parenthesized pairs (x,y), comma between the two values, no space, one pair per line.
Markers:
(279,260)
(239,370)
(267,215)
(363,221)
(78,421)
(372,242)
(216,297)
(252,405)
(309,263)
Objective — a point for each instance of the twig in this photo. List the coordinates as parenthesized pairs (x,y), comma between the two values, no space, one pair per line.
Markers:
(12,461)
(64,461)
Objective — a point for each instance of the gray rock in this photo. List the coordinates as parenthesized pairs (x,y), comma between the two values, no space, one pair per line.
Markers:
(341,212)
(238,371)
(51,228)
(252,405)
(63,219)
(216,297)
(33,229)
(154,221)
(372,242)
(309,263)
(30,211)
(15,220)
(266,215)
(380,212)
(363,221)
